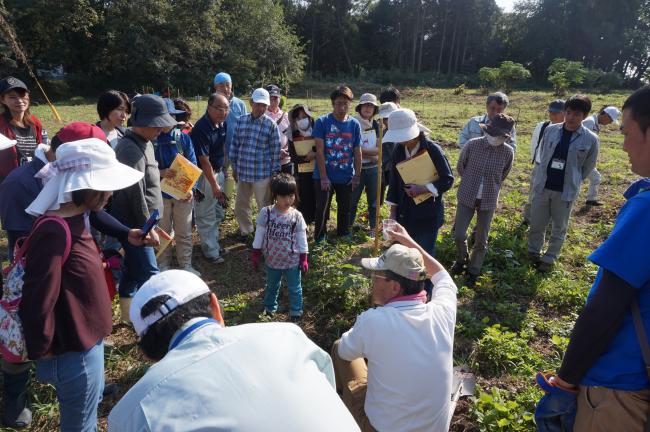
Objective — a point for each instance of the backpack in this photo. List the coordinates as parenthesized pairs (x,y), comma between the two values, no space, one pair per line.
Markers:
(12,336)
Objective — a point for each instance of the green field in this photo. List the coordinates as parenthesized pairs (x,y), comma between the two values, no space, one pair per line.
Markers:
(514,322)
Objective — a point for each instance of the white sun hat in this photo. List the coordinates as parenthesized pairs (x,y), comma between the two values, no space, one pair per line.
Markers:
(403,126)
(89,163)
(6,143)
(180,285)
(386,109)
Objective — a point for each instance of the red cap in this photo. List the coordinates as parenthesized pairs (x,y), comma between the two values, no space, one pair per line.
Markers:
(77,131)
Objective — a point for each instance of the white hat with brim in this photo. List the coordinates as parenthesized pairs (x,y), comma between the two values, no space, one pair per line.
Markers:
(261,95)
(613,113)
(403,126)
(85,164)
(6,143)
(180,285)
(386,109)
(399,259)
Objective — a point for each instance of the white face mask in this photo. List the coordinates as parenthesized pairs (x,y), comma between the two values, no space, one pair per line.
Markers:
(495,141)
(303,124)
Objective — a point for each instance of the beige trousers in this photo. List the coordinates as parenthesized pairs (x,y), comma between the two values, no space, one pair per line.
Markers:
(245,191)
(603,409)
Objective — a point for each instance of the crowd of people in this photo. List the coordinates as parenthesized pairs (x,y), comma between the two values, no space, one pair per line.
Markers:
(74,209)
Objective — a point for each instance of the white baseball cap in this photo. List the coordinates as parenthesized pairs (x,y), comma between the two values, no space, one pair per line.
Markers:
(403,126)
(613,113)
(261,95)
(180,285)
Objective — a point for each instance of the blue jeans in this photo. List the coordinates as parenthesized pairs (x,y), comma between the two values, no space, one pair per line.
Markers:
(138,265)
(78,378)
(368,182)
(273,280)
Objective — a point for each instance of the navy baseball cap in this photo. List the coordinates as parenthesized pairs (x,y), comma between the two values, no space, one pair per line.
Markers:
(273,90)
(556,106)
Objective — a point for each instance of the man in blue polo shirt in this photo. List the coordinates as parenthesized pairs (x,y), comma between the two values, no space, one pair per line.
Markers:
(209,139)
(603,372)
(338,162)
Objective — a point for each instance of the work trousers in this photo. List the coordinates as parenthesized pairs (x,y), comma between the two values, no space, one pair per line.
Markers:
(177,217)
(594,182)
(323,201)
(546,207)
(464,216)
(245,191)
(602,409)
(208,215)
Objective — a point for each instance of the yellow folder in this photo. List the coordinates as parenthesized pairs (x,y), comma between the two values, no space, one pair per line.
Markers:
(418,170)
(302,148)
(186,175)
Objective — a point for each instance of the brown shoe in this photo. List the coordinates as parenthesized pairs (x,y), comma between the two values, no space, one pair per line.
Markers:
(545,267)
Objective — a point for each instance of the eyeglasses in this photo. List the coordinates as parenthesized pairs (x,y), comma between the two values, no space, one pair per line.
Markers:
(378,276)
(219,108)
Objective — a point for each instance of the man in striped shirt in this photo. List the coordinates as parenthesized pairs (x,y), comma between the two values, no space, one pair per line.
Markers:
(255,156)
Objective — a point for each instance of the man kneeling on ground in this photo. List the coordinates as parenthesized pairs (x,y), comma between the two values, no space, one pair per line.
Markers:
(247,378)
(408,344)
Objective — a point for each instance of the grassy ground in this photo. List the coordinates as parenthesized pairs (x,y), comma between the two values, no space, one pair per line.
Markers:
(514,322)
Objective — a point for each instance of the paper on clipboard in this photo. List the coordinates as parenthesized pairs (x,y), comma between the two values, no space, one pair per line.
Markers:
(303,147)
(418,170)
(186,175)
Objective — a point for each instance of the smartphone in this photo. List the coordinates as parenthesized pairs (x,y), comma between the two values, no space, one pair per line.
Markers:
(153,220)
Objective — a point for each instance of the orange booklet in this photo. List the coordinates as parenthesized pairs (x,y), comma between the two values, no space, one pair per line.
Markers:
(186,175)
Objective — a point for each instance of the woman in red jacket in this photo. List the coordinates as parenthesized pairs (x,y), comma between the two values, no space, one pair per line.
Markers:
(17,123)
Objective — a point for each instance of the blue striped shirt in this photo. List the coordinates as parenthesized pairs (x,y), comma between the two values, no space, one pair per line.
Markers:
(255,150)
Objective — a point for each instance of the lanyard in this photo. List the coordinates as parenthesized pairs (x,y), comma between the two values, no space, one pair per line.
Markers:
(189,330)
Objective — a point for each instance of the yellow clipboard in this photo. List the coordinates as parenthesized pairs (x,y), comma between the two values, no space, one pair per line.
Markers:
(418,170)
(303,147)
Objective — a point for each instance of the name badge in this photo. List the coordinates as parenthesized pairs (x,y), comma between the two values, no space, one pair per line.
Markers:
(557,164)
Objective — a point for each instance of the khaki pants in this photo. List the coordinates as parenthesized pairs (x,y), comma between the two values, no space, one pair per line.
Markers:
(245,191)
(464,216)
(351,384)
(177,217)
(602,409)
(546,207)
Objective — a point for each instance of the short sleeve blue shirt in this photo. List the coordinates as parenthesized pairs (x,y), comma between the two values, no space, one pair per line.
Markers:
(625,253)
(340,139)
(209,141)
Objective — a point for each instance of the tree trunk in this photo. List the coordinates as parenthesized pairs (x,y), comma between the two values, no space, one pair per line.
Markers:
(421,42)
(344,45)
(453,42)
(442,42)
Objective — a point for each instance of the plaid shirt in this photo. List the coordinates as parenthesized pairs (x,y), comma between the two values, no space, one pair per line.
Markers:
(481,162)
(255,150)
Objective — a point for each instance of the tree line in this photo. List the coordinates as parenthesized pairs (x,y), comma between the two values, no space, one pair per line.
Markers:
(180,44)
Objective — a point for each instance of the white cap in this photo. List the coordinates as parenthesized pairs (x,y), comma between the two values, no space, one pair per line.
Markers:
(6,143)
(613,113)
(260,95)
(180,285)
(88,163)
(386,109)
(403,126)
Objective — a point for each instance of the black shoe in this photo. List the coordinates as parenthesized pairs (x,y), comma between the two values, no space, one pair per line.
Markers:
(533,258)
(457,268)
(471,279)
(110,389)
(296,319)
(593,203)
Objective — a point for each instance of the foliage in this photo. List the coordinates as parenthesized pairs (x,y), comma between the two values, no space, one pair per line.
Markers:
(602,81)
(498,410)
(501,350)
(505,75)
(563,73)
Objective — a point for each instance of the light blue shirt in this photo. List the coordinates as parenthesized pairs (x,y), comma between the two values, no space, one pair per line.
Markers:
(247,378)
(473,129)
(237,109)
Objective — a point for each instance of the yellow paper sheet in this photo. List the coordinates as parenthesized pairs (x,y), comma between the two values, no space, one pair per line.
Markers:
(303,147)
(165,241)
(186,175)
(418,170)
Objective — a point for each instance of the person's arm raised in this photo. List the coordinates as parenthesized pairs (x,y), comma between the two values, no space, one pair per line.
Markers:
(398,233)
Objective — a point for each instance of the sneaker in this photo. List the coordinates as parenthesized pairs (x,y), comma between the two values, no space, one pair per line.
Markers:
(216,260)
(593,203)
(545,267)
(533,257)
(23,420)
(192,270)
(296,319)
(457,268)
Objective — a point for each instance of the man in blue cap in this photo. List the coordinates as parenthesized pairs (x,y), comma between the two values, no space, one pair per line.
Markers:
(222,83)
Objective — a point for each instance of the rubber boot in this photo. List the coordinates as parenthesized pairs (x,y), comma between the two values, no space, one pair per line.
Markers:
(125,304)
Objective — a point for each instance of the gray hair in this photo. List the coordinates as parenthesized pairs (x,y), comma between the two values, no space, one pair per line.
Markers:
(498,97)
(214,96)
